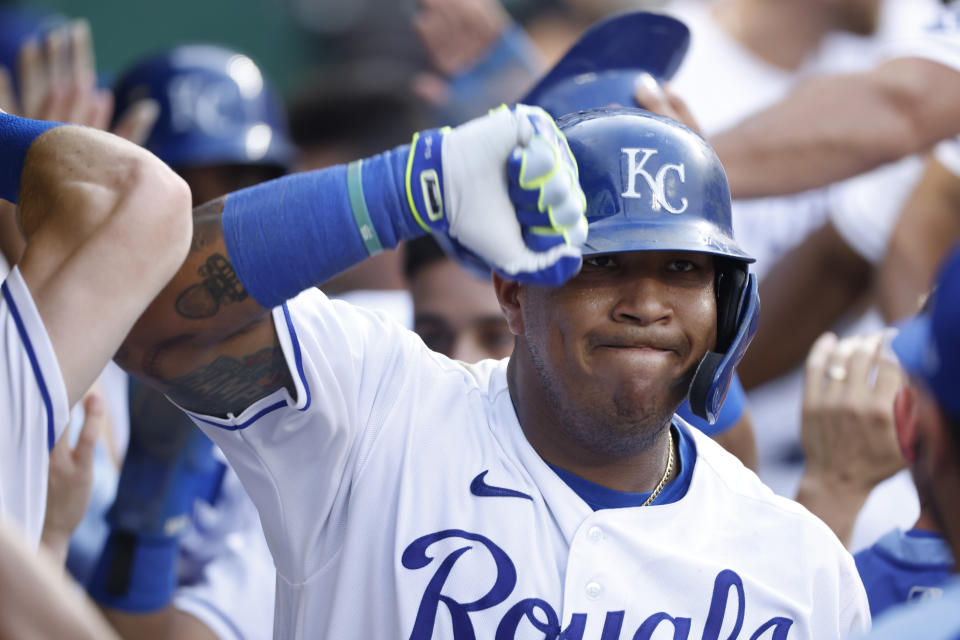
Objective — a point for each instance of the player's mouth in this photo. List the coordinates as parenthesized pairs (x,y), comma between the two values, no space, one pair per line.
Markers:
(651,345)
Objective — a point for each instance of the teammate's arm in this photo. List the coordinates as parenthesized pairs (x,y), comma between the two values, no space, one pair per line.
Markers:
(37,602)
(208,340)
(928,227)
(204,341)
(106,225)
(804,294)
(833,127)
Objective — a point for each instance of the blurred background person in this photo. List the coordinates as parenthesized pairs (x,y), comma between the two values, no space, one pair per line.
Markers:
(926,414)
(853,441)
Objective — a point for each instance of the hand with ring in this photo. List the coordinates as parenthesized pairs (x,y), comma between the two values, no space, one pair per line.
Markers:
(848,431)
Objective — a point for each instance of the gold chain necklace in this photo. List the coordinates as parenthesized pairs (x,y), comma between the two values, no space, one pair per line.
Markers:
(666,472)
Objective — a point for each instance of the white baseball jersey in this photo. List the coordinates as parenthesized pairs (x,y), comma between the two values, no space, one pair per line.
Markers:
(227,577)
(400,499)
(940,41)
(35,408)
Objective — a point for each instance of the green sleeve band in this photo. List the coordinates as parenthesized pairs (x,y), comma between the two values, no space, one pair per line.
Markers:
(358,203)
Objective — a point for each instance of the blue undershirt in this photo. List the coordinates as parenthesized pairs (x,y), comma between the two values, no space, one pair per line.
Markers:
(600,497)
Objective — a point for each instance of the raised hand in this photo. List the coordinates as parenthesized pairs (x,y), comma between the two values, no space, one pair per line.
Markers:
(58,82)
(456,33)
(71,477)
(848,430)
(505,189)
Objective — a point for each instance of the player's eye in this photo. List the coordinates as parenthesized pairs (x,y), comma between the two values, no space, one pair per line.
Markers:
(682,266)
(600,262)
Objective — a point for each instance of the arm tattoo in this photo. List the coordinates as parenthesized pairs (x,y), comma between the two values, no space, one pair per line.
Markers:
(230,385)
(219,285)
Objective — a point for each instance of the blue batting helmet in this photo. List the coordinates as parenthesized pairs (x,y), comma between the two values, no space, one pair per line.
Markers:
(652,184)
(215,108)
(601,69)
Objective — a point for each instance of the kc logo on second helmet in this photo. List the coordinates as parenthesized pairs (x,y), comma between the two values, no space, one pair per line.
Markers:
(637,161)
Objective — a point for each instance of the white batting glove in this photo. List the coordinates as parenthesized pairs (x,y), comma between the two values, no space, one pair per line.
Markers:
(504,189)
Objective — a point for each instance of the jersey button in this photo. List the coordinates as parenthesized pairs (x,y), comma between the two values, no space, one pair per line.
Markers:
(593,590)
(595,534)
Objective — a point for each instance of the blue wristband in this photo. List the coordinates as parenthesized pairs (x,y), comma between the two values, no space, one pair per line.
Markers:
(16,136)
(298,231)
(137,574)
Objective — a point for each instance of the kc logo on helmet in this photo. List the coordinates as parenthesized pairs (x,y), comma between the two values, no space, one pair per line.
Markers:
(637,159)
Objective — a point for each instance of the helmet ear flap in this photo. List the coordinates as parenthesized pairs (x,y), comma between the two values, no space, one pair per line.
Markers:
(731,276)
(738,312)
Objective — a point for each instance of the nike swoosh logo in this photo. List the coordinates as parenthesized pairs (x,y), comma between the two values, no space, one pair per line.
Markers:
(479,487)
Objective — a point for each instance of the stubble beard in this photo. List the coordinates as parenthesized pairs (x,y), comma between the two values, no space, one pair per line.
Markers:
(614,428)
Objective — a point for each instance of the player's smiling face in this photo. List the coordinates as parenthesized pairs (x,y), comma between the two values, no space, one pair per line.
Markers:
(615,348)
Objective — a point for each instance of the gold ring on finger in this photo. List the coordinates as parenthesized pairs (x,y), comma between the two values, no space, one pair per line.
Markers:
(837,372)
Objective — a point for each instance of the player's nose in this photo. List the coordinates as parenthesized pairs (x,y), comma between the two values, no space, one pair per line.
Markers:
(642,300)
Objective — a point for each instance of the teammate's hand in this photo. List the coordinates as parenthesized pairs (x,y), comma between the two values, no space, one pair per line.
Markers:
(71,477)
(848,428)
(456,33)
(58,83)
(660,99)
(505,188)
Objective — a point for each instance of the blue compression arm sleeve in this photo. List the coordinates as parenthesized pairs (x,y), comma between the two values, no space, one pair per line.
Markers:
(296,232)
(16,136)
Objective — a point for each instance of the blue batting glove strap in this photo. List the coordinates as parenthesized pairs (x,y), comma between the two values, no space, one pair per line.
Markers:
(137,574)
(16,136)
(424,180)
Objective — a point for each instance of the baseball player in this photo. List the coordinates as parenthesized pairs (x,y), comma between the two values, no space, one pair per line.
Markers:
(124,233)
(851,443)
(926,416)
(406,494)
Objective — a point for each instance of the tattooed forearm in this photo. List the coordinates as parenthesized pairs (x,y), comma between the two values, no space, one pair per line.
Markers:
(219,286)
(230,385)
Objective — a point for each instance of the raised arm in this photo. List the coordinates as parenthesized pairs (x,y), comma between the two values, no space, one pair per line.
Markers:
(208,340)
(106,225)
(833,127)
(926,230)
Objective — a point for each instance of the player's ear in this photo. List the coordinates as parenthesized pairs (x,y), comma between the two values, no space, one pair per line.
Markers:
(508,295)
(905,419)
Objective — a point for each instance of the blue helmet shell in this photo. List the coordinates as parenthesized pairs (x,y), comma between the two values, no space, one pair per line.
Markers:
(602,67)
(216,107)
